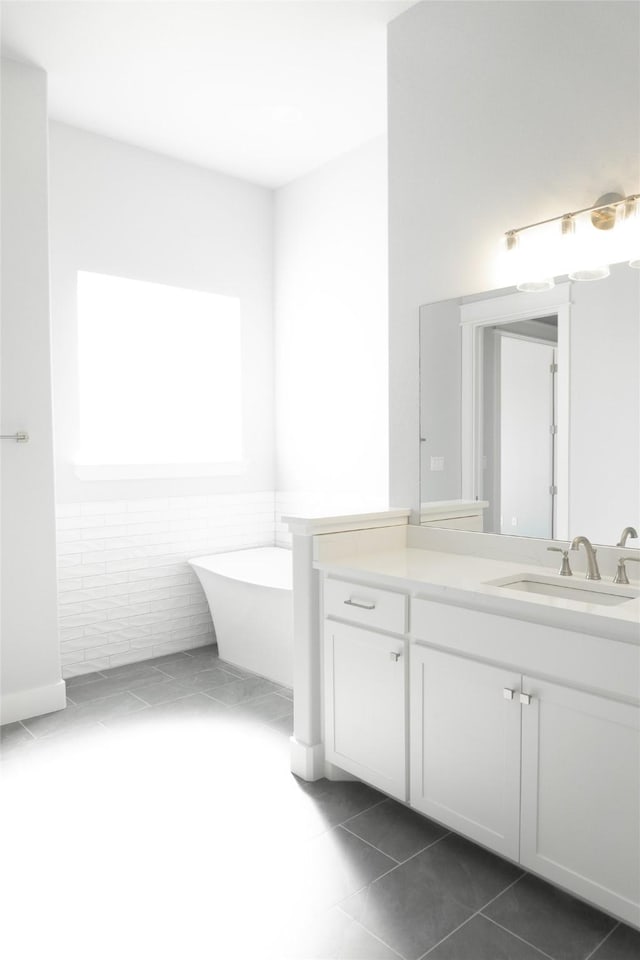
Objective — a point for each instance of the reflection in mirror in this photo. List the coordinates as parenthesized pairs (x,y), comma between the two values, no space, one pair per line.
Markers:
(530,404)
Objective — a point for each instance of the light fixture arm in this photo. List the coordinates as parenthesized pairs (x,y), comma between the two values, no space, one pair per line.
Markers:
(632,198)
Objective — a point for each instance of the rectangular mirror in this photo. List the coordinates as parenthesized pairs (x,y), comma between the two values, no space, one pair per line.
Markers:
(530,410)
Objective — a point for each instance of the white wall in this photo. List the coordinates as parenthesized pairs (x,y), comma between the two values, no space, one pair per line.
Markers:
(500,114)
(31,681)
(126,592)
(604,474)
(119,210)
(331,334)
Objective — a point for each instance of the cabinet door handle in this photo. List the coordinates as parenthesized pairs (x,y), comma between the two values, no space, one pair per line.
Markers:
(394,656)
(525,699)
(363,604)
(507,693)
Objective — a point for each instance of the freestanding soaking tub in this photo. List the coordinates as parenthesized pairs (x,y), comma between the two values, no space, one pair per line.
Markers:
(251,602)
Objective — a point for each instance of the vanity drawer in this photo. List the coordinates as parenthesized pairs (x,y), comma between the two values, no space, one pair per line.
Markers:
(370,606)
(580,660)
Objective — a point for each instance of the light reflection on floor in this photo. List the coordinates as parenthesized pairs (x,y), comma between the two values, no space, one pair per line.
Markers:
(163,839)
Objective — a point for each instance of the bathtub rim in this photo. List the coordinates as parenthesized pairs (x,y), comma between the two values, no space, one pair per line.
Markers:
(236,573)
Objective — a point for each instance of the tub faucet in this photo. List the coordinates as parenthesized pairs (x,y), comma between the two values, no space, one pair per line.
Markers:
(626,533)
(592,564)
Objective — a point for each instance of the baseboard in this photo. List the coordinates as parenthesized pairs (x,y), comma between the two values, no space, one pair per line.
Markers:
(307,762)
(34,702)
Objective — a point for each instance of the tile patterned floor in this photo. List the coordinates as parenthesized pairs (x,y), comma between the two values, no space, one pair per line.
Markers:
(156,817)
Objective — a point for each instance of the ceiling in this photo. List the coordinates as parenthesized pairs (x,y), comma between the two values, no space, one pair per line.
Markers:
(262,90)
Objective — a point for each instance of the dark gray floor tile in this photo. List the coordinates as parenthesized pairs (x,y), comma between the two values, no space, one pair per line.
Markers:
(241,691)
(204,657)
(232,668)
(77,736)
(283,724)
(623,944)
(189,666)
(468,872)
(194,706)
(111,685)
(270,707)
(330,867)
(97,710)
(396,830)
(550,919)
(408,911)
(330,936)
(12,737)
(131,671)
(335,801)
(83,678)
(428,896)
(209,650)
(208,679)
(167,659)
(163,691)
(480,939)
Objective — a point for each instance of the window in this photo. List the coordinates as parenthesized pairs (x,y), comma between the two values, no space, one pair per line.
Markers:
(159,374)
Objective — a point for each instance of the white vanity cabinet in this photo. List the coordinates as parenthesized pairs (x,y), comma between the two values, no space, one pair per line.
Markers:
(541,772)
(522,736)
(580,808)
(465,746)
(365,684)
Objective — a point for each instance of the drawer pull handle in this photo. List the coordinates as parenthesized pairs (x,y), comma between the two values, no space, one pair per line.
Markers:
(507,693)
(394,656)
(363,604)
(525,698)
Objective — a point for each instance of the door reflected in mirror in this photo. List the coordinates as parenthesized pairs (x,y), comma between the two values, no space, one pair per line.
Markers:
(531,402)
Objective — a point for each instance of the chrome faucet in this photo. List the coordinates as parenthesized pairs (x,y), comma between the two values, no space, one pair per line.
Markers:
(593,572)
(627,532)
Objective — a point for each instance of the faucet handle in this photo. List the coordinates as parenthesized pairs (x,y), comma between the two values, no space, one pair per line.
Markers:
(565,568)
(621,572)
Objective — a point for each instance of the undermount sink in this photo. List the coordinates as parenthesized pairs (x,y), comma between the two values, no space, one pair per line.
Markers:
(598,593)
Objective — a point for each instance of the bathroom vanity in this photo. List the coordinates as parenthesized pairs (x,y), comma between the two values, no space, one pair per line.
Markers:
(466,678)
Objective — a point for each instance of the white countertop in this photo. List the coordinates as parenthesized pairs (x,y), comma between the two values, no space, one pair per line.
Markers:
(463,581)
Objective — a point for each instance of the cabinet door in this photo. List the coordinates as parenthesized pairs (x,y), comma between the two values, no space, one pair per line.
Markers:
(581,794)
(465,747)
(365,706)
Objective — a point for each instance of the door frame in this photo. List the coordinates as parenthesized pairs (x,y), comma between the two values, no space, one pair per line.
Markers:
(502,310)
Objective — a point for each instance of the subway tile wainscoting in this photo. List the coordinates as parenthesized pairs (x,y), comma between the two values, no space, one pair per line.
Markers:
(173,797)
(125,590)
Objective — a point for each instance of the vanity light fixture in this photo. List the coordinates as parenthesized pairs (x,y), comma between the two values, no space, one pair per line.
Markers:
(581,244)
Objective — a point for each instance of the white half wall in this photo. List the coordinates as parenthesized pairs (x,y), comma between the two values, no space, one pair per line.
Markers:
(332,335)
(500,114)
(31,681)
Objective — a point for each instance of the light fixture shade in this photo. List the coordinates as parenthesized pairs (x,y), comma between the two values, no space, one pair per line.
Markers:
(591,273)
(535,286)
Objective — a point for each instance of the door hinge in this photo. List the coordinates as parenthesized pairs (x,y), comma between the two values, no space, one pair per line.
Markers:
(553,490)
(553,429)
(553,368)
